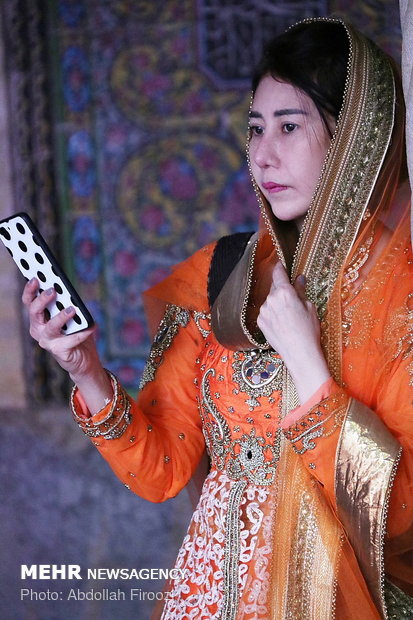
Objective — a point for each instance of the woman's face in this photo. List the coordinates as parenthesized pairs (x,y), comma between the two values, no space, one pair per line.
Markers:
(288,145)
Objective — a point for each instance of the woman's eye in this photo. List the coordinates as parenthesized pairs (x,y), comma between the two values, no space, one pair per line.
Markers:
(256,130)
(289,127)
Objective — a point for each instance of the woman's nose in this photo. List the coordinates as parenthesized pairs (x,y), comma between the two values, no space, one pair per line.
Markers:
(266,153)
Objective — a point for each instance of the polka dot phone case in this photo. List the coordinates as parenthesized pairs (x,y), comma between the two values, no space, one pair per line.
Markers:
(33,257)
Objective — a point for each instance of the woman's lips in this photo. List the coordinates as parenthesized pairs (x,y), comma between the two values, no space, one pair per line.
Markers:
(273,188)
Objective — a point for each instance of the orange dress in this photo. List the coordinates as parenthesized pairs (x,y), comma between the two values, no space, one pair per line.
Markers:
(196,393)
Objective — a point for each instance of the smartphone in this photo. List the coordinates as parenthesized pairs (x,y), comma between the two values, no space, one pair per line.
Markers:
(34,258)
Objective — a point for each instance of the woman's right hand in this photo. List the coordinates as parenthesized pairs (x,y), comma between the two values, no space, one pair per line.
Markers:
(75,353)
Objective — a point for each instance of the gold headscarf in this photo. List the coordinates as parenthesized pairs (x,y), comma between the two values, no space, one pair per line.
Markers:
(355,196)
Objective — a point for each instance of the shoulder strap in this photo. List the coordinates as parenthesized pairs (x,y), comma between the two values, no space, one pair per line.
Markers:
(227,253)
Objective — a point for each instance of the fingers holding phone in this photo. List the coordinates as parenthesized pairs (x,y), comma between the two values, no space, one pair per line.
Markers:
(72,351)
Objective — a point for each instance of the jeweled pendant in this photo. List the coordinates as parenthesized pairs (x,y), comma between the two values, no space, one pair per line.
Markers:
(258,373)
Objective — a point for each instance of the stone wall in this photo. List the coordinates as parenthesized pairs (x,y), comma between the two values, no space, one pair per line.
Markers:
(12,381)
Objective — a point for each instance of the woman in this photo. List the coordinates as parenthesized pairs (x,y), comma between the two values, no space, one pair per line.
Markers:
(307,510)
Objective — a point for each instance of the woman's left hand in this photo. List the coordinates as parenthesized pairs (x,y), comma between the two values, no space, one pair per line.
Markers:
(291,326)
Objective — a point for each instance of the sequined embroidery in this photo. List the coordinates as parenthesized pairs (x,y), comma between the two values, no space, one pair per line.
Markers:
(352,273)
(232,552)
(203,323)
(250,459)
(321,421)
(214,426)
(398,335)
(173,320)
(357,323)
(210,562)
(257,373)
(304,558)
(348,294)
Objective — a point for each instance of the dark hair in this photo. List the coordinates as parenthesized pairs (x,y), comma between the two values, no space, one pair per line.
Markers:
(313,57)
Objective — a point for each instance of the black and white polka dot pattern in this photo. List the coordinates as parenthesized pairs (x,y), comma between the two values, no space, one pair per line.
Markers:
(34,259)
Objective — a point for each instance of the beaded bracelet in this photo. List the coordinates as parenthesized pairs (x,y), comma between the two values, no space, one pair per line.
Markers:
(116,420)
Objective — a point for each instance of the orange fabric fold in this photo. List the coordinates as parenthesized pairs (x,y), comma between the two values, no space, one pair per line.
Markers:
(187,286)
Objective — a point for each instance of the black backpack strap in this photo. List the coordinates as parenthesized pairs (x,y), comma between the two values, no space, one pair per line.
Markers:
(227,253)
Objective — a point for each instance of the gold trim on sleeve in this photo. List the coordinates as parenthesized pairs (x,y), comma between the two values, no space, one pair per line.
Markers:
(366,463)
(174,318)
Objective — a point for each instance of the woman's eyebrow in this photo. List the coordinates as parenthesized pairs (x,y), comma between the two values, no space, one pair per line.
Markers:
(282,112)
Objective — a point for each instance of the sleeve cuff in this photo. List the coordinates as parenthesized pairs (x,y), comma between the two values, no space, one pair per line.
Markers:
(111,421)
(324,391)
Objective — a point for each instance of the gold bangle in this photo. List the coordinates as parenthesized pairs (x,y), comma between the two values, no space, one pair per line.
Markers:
(115,422)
